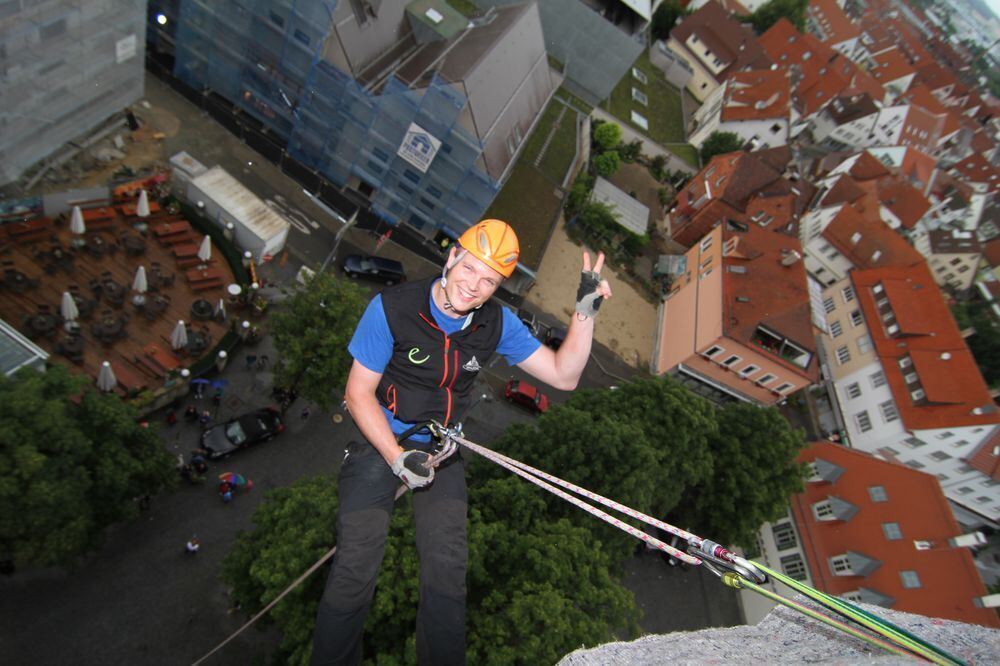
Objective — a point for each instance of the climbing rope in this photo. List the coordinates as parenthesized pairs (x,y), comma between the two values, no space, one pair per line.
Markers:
(738,572)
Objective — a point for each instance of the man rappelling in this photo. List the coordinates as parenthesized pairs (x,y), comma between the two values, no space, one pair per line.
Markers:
(417,352)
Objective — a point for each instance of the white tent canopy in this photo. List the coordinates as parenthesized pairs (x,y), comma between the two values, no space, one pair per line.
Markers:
(76,224)
(179,336)
(68,308)
(106,380)
(205,250)
(139,283)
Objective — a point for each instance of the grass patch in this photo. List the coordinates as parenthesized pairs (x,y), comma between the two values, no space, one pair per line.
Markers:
(685,151)
(573,100)
(541,132)
(559,156)
(530,203)
(467,8)
(663,111)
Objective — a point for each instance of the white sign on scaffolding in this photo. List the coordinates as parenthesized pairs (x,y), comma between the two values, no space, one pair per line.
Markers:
(125,49)
(419,147)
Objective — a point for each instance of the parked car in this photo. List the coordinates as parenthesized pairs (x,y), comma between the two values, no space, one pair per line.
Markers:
(554,337)
(387,271)
(526,395)
(529,319)
(243,431)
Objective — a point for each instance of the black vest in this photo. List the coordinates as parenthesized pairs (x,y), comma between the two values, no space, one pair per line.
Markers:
(430,374)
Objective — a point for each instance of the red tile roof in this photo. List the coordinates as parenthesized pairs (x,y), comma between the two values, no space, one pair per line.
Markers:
(914,298)
(868,243)
(834,24)
(757,95)
(921,96)
(949,580)
(975,169)
(991,251)
(985,458)
(891,65)
(918,167)
(903,200)
(866,167)
(729,40)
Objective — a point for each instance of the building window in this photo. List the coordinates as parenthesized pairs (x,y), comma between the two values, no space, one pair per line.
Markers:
(863,421)
(864,344)
(856,319)
(877,494)
(904,362)
(823,510)
(427,203)
(877,379)
(766,379)
(848,294)
(302,37)
(918,395)
(960,443)
(914,442)
(853,391)
(855,237)
(945,435)
(940,456)
(941,477)
(835,329)
(843,355)
(714,350)
(915,464)
(964,490)
(706,243)
(982,499)
(892,531)
(793,566)
(911,580)
(784,536)
(829,305)
(963,269)
(784,388)
(434,192)
(410,176)
(731,361)
(841,566)
(889,412)
(749,370)
(276,19)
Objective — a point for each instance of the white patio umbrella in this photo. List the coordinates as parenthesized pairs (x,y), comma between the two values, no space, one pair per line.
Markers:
(220,311)
(76,224)
(205,250)
(179,337)
(106,380)
(68,308)
(142,208)
(139,283)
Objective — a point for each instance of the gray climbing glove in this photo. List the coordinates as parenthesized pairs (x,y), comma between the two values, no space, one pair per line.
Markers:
(588,301)
(414,469)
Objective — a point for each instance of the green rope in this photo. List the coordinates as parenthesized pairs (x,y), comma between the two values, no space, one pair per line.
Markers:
(737,582)
(894,633)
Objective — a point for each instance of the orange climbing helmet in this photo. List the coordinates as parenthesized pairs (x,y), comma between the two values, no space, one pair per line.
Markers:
(494,243)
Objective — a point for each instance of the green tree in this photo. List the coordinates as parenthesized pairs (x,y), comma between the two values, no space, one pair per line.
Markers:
(311,332)
(720,143)
(770,12)
(755,474)
(657,167)
(607,163)
(630,152)
(579,194)
(985,342)
(72,462)
(607,136)
(665,18)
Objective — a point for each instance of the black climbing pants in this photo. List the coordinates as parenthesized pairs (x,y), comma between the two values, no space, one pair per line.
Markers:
(366,492)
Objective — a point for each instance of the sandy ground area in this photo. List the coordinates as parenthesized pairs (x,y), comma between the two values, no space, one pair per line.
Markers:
(627,322)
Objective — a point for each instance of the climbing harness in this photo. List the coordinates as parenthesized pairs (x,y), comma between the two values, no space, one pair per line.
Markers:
(734,571)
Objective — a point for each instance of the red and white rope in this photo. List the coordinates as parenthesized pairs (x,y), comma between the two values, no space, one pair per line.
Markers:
(548,482)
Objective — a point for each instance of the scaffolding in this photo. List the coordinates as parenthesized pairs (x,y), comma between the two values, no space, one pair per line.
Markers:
(65,67)
(265,58)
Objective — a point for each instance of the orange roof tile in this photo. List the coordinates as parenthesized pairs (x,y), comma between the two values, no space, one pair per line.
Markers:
(918,167)
(991,251)
(916,297)
(985,458)
(831,20)
(891,65)
(903,200)
(949,580)
(868,243)
(757,95)
(975,169)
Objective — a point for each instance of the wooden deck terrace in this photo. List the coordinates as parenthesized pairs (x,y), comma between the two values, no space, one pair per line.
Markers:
(28,248)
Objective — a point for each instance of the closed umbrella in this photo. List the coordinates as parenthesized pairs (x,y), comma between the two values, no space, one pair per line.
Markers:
(142,208)
(205,250)
(139,283)
(220,311)
(68,308)
(76,224)
(106,380)
(179,337)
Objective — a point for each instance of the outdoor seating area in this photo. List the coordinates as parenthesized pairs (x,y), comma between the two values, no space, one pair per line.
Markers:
(101,285)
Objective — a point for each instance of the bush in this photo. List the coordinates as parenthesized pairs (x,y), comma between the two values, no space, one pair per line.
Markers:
(720,143)
(579,194)
(606,164)
(607,136)
(657,167)
(630,152)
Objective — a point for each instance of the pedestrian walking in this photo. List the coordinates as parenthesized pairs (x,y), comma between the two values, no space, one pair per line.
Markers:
(192,546)
(205,419)
(191,413)
(304,414)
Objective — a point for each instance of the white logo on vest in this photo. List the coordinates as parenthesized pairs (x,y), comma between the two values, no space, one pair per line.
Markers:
(472,365)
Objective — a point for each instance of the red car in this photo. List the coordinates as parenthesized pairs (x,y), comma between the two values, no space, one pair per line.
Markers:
(526,395)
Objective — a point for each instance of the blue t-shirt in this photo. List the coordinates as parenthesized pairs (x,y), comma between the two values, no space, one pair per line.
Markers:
(372,343)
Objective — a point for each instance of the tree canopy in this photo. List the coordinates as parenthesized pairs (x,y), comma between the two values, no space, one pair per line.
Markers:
(72,462)
(985,342)
(607,163)
(665,18)
(607,136)
(719,143)
(772,11)
(311,331)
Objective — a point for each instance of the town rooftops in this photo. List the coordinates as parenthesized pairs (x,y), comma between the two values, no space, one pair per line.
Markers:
(830,22)
(902,522)
(728,40)
(757,95)
(903,200)
(891,65)
(975,169)
(847,108)
(868,243)
(933,376)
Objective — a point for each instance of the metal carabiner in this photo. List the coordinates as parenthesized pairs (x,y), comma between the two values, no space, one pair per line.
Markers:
(739,566)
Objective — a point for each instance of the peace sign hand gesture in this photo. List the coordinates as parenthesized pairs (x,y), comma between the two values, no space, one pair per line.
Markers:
(593,290)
